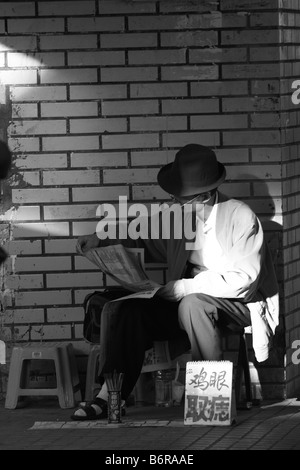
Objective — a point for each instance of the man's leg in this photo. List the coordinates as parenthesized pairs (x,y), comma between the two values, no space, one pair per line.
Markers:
(127,331)
(203,317)
(132,331)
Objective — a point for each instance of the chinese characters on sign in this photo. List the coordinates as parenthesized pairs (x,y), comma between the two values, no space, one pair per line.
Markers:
(208,398)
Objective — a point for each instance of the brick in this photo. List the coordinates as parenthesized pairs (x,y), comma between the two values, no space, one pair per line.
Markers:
(66,9)
(63,315)
(26,213)
(265,87)
(70,143)
(250,37)
(38,93)
(68,76)
(17,9)
(68,41)
(70,177)
(190,106)
(74,280)
(265,120)
(69,109)
(271,188)
(97,24)
(241,5)
(65,212)
(250,71)
(43,263)
(37,127)
(82,228)
(24,110)
(190,72)
(104,193)
(97,126)
(114,7)
(60,246)
(35,25)
(145,175)
(119,141)
(83,264)
(233,20)
(90,92)
(56,229)
(128,74)
(2,27)
(130,107)
(41,161)
(40,59)
(264,54)
(179,139)
(154,158)
(218,55)
(18,43)
(236,190)
(266,154)
(27,144)
(254,104)
(128,40)
(169,22)
(157,123)
(219,88)
(96,58)
(181,5)
(24,247)
(225,121)
(26,315)
(156,90)
(2,60)
(189,38)
(14,77)
(90,160)
(44,297)
(148,192)
(25,281)
(262,19)
(248,137)
(152,57)
(235,155)
(47,332)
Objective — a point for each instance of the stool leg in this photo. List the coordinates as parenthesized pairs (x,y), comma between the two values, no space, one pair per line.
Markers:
(14,379)
(74,374)
(243,367)
(91,387)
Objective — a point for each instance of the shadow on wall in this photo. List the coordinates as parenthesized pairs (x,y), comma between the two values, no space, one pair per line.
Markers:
(270,374)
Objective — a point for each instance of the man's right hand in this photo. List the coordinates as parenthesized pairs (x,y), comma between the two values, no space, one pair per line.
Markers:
(87,242)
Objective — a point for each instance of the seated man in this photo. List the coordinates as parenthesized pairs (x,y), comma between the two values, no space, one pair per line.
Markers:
(226,276)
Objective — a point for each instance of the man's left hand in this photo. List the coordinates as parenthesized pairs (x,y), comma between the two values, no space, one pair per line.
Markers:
(172,291)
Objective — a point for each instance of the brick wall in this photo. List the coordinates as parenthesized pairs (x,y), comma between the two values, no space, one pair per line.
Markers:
(95,97)
(290,73)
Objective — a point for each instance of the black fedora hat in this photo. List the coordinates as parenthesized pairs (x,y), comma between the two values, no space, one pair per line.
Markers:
(194,170)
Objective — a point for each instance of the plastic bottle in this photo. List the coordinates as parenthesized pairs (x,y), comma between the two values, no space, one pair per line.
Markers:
(163,388)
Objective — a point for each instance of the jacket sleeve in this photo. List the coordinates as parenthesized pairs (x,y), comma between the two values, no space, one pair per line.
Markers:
(243,248)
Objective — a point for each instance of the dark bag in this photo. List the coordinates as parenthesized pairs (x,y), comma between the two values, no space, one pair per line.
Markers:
(93,305)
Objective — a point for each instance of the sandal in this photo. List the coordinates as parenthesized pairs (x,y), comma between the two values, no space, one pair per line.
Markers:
(90,412)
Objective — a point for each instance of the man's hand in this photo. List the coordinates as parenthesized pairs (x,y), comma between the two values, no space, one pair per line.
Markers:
(87,242)
(172,291)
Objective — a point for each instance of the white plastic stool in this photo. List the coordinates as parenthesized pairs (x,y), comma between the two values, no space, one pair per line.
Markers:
(67,382)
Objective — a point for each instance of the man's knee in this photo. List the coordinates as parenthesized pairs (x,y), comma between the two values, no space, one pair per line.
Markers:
(187,306)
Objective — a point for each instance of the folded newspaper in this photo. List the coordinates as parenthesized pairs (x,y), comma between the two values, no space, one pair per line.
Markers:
(126,267)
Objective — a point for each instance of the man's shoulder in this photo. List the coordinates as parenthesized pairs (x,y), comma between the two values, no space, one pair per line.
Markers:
(234,204)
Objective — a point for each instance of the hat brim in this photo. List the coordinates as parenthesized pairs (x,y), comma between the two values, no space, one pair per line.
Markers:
(175,188)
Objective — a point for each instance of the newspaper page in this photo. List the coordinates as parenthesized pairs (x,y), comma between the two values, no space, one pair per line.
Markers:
(126,267)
